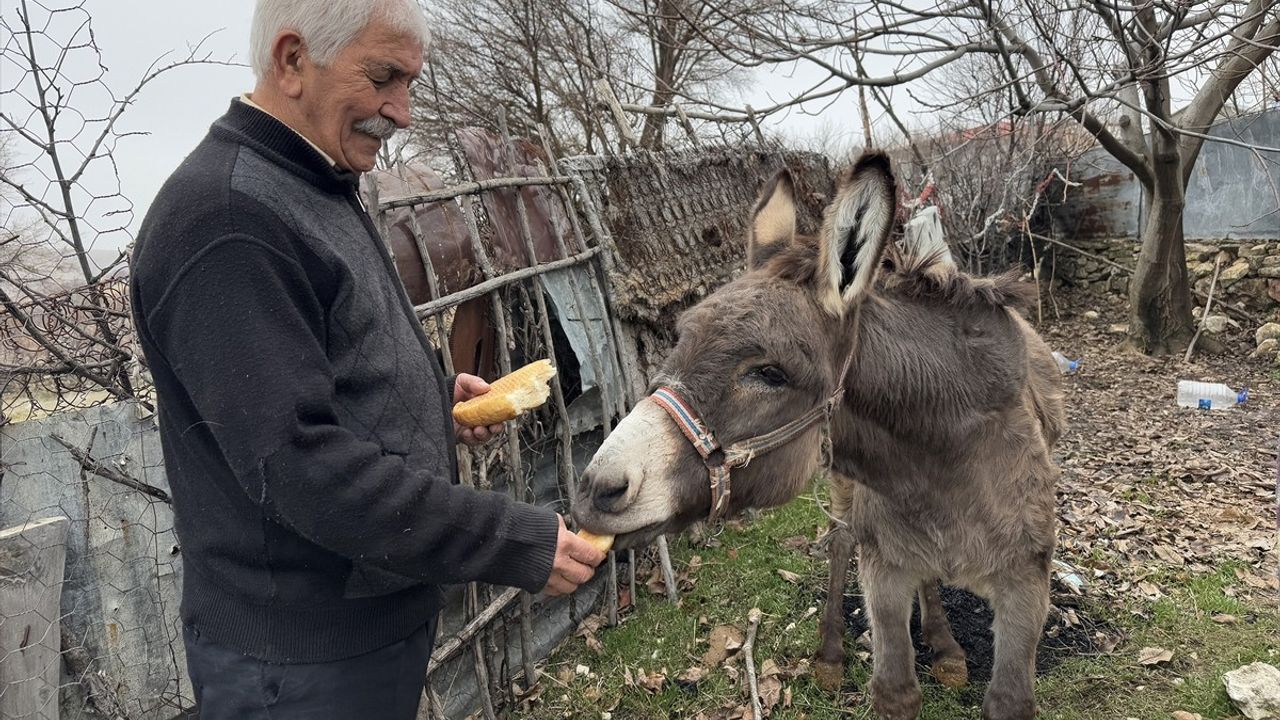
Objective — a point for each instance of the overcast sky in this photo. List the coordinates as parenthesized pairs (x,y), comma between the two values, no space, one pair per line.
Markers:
(176,110)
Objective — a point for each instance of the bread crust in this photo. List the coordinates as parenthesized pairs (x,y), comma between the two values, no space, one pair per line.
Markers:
(508,396)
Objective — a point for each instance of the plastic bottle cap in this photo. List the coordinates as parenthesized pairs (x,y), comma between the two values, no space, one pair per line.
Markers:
(1073,365)
(1243,396)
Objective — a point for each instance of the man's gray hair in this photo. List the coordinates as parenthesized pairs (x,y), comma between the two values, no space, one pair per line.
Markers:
(327,26)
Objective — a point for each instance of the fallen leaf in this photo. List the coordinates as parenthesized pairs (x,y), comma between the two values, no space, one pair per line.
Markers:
(789,576)
(796,542)
(651,681)
(1154,656)
(1184,715)
(1225,619)
(1168,554)
(690,678)
(768,668)
(770,693)
(724,640)
(587,631)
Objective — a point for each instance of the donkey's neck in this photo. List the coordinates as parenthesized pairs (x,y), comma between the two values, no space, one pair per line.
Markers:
(927,381)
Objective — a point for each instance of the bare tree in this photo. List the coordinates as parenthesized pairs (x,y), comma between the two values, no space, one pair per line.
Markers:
(65,322)
(1111,68)
(540,61)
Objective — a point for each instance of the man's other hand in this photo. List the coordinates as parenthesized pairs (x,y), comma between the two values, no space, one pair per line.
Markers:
(575,563)
(465,388)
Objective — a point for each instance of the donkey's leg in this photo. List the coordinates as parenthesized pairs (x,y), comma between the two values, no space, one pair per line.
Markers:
(889,589)
(1021,604)
(829,668)
(948,657)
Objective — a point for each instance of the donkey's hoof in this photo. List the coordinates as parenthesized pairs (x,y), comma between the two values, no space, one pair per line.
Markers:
(829,675)
(998,706)
(951,671)
(900,702)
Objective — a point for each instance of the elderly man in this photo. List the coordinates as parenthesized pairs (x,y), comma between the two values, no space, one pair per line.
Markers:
(304,419)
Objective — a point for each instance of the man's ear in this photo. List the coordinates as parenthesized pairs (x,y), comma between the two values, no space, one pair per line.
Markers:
(288,59)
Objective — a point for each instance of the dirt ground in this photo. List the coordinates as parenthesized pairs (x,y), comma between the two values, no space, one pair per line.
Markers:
(1147,485)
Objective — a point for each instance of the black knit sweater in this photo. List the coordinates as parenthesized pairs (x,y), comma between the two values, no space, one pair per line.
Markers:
(303,415)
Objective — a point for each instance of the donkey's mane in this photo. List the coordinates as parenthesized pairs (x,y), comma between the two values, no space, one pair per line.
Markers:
(923,276)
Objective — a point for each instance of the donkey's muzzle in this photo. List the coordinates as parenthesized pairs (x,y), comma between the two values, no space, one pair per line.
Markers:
(608,491)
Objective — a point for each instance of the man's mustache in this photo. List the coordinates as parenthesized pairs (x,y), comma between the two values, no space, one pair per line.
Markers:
(377,126)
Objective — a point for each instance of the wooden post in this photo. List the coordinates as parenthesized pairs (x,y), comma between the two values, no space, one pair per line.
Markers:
(32,561)
(688,126)
(605,91)
(755,125)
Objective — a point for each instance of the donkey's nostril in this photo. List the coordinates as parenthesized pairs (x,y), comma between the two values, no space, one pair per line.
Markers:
(608,494)
(609,499)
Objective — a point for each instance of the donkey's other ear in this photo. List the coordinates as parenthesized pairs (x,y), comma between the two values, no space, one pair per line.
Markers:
(854,232)
(774,223)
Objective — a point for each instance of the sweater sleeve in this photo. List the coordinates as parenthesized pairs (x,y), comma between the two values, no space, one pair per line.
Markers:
(242,329)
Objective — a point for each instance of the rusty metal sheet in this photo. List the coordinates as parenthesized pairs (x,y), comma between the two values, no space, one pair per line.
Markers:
(485,153)
(443,232)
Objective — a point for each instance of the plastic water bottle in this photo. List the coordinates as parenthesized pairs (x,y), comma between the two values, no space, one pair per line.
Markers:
(1209,396)
(1066,366)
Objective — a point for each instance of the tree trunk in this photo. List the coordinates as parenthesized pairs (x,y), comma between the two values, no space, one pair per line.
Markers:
(1159,293)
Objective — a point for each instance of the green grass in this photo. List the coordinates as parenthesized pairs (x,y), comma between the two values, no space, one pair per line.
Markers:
(742,572)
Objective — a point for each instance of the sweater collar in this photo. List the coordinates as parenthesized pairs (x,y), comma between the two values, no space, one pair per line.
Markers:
(283,145)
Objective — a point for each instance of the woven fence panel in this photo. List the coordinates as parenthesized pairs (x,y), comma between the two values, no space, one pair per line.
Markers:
(678,222)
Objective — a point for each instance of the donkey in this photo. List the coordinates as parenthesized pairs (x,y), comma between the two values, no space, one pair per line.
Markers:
(941,405)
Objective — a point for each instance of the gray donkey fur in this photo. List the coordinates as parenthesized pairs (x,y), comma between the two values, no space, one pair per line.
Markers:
(941,448)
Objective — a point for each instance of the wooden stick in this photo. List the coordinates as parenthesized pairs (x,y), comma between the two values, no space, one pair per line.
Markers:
(454,644)
(1208,306)
(631,576)
(475,291)
(676,109)
(668,575)
(568,473)
(748,647)
(755,125)
(605,91)
(471,188)
(106,473)
(688,126)
(613,589)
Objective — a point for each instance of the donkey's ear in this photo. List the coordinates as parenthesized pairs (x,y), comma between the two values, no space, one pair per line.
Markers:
(774,223)
(854,232)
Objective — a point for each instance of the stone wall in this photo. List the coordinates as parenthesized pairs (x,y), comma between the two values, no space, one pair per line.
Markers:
(1249,279)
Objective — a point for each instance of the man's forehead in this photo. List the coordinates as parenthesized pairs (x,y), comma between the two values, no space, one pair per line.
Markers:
(384,45)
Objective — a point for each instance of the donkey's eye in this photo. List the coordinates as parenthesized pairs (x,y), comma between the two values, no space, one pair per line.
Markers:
(771,375)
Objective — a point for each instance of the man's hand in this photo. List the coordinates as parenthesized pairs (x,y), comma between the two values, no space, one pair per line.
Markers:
(465,388)
(575,563)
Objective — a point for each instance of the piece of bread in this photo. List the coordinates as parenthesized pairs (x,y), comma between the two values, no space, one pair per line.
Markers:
(508,396)
(599,542)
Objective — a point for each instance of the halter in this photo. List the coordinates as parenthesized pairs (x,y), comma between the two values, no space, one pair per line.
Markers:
(720,461)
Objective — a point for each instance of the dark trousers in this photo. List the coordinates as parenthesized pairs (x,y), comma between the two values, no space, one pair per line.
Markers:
(383,684)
